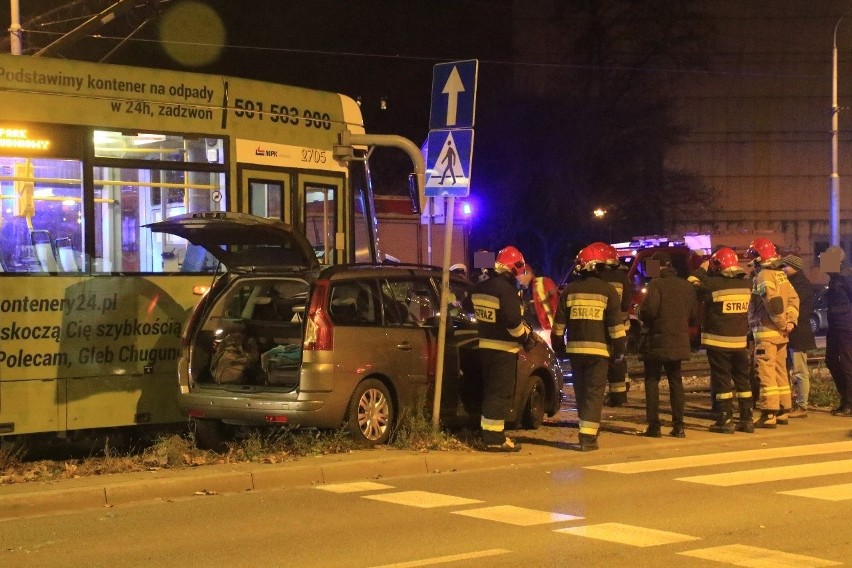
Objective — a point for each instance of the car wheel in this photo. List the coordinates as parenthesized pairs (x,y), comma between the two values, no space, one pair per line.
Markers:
(370,414)
(209,434)
(534,400)
(814,324)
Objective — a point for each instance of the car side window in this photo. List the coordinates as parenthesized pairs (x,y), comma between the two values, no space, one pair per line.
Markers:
(354,302)
(409,302)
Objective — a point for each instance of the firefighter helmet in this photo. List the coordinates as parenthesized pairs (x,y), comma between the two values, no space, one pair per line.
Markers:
(607,252)
(510,259)
(762,251)
(590,258)
(726,262)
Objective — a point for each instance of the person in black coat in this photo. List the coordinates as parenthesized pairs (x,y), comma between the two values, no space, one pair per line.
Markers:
(669,307)
(801,339)
(838,340)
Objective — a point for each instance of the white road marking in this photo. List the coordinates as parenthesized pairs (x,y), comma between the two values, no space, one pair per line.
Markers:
(354,487)
(771,474)
(753,557)
(725,458)
(422,499)
(628,534)
(840,492)
(516,515)
(445,559)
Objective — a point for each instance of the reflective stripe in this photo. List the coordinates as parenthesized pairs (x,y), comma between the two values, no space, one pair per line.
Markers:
(617,387)
(769,390)
(497,345)
(724,396)
(492,425)
(587,348)
(559,329)
(694,279)
(744,394)
(617,331)
(766,333)
(784,389)
(590,428)
(724,341)
(542,295)
(517,331)
(586,300)
(486,300)
(733,294)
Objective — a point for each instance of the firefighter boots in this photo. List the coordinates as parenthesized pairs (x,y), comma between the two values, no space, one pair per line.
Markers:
(588,443)
(767,419)
(677,431)
(746,422)
(724,419)
(783,417)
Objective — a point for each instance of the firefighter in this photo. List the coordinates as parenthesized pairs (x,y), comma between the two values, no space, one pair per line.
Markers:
(589,312)
(616,275)
(721,282)
(773,313)
(502,333)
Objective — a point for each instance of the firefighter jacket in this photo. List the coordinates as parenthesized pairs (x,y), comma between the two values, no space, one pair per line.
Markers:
(839,301)
(588,319)
(802,336)
(545,299)
(619,280)
(669,307)
(499,315)
(726,301)
(774,302)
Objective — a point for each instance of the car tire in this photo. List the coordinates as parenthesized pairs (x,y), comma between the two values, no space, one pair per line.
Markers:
(370,415)
(532,415)
(814,323)
(209,435)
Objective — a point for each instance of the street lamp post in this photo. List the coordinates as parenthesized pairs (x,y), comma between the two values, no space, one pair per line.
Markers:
(834,184)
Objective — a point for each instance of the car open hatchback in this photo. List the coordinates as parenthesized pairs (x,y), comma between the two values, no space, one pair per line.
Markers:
(278,340)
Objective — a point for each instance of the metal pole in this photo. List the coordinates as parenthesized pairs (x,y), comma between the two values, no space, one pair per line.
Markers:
(834,185)
(445,307)
(15,29)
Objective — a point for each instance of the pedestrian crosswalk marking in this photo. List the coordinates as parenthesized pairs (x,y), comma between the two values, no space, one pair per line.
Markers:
(841,492)
(422,499)
(722,458)
(771,474)
(354,487)
(627,534)
(754,557)
(447,559)
(516,515)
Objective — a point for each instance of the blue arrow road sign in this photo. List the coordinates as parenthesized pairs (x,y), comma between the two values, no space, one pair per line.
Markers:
(453,94)
(448,161)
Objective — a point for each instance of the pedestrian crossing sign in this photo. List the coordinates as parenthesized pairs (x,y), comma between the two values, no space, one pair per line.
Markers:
(448,161)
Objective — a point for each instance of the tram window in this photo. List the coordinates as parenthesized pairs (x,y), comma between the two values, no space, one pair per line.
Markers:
(41,227)
(126,199)
(265,198)
(163,147)
(321,221)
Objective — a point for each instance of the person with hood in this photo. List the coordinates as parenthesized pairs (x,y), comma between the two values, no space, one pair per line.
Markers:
(669,307)
(801,339)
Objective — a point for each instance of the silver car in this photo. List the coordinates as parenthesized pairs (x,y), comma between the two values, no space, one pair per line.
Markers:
(278,341)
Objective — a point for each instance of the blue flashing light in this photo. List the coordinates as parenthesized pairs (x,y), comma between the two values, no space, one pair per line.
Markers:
(466,209)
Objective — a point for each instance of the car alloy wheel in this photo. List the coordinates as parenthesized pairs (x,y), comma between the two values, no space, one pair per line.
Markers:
(534,400)
(371,413)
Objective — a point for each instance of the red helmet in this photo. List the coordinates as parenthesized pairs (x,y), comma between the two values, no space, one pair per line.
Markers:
(590,258)
(726,261)
(510,259)
(762,250)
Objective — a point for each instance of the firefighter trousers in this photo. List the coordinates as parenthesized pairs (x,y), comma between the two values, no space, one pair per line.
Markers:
(729,373)
(499,369)
(771,362)
(617,379)
(653,373)
(589,373)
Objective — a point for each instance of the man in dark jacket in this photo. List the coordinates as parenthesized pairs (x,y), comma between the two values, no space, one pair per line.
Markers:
(838,340)
(801,339)
(669,307)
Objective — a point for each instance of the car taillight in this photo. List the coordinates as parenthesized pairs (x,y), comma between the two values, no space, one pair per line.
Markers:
(319,331)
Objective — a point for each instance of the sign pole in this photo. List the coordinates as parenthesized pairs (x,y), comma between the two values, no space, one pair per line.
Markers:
(445,307)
